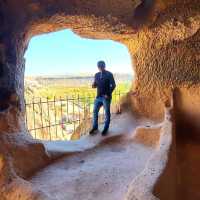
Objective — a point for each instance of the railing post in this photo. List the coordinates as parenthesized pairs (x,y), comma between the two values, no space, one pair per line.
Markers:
(61,115)
(34,128)
(79,114)
(26,115)
(74,125)
(41,116)
(55,116)
(67,110)
(49,120)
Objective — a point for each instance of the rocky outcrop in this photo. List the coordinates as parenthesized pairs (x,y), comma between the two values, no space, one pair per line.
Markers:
(165,57)
(20,157)
(162,37)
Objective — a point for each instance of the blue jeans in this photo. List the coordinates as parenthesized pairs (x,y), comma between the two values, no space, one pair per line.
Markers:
(101,101)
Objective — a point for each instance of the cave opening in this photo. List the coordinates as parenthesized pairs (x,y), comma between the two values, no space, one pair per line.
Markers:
(59,71)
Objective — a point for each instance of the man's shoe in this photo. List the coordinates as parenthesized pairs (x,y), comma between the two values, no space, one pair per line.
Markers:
(104,132)
(93,131)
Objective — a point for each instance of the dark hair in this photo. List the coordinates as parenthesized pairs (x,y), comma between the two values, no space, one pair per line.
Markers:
(101,64)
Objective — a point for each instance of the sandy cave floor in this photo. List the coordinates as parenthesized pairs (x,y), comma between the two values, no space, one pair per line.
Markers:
(103,172)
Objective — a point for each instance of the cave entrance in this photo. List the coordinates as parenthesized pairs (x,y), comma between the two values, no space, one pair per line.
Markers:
(59,72)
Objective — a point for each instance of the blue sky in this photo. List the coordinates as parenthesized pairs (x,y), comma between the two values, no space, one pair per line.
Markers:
(64,52)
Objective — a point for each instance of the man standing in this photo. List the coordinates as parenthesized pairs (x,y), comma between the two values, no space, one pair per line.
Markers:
(105,84)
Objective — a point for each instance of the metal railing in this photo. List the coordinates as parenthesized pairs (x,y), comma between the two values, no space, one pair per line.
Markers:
(64,118)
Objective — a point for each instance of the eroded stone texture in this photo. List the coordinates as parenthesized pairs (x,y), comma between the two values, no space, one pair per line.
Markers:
(166,56)
(163,39)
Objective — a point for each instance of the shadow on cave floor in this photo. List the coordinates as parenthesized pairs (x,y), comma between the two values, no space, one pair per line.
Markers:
(188,161)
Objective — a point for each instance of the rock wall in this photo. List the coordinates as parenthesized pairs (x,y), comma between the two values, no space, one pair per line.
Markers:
(165,57)
(163,39)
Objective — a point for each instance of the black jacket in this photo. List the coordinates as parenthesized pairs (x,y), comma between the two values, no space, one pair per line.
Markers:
(105,83)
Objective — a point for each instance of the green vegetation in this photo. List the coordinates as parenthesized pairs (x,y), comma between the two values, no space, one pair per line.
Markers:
(58,91)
